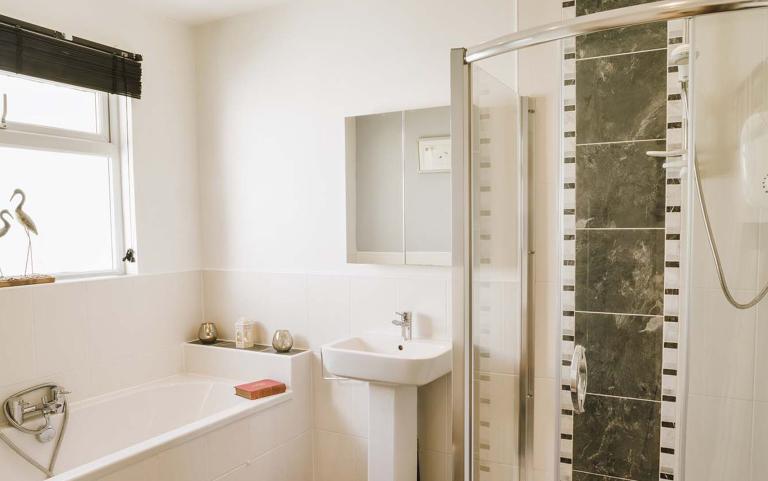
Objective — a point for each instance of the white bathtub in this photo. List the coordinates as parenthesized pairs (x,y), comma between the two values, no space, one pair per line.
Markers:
(157,430)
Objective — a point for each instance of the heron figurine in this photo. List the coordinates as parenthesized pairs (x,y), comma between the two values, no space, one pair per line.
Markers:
(29,226)
(5,228)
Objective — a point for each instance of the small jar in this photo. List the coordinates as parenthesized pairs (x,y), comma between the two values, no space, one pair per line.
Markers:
(207,333)
(244,334)
(282,341)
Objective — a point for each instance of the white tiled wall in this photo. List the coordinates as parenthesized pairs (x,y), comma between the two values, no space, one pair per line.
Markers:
(539,77)
(97,336)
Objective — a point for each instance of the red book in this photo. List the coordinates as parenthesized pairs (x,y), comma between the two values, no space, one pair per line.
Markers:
(259,389)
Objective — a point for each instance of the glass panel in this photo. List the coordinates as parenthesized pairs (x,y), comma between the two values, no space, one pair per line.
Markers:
(727,404)
(427,182)
(69,199)
(378,171)
(496,278)
(50,105)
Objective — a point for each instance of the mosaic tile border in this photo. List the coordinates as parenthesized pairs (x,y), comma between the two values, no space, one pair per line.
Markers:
(668,460)
(568,254)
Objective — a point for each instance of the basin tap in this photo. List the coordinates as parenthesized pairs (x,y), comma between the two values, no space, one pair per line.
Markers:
(406,325)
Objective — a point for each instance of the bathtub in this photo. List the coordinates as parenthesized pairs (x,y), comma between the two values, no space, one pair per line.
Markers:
(187,423)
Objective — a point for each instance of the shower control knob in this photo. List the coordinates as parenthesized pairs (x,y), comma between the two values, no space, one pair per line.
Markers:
(46,435)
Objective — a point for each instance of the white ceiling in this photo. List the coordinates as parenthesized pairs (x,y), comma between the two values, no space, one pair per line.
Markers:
(196,12)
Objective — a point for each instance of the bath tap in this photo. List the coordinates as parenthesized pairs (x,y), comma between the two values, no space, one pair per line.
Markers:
(406,325)
(17,411)
(21,410)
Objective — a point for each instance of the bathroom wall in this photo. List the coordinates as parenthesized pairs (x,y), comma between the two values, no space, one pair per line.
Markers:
(727,402)
(275,87)
(617,301)
(97,336)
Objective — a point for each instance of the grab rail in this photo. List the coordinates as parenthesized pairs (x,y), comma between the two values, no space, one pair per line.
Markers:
(597,22)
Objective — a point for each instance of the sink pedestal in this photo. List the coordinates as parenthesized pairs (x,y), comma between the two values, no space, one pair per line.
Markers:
(392,432)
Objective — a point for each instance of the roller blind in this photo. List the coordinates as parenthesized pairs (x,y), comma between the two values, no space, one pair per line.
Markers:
(47,54)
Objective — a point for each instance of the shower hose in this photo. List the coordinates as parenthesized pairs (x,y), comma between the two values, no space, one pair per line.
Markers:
(6,409)
(710,235)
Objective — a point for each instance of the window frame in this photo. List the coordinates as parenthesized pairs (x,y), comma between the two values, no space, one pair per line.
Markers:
(111,141)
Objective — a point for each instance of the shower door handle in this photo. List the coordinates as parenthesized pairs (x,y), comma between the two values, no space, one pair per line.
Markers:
(579,378)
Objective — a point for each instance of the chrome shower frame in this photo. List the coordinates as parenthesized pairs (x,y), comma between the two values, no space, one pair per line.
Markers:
(461,128)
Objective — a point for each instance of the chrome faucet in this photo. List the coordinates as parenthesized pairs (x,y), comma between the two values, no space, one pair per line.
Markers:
(18,410)
(406,325)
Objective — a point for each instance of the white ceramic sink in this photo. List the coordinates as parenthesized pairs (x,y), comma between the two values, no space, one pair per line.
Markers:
(393,369)
(386,358)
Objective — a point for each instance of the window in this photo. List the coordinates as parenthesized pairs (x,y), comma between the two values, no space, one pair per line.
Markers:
(63,146)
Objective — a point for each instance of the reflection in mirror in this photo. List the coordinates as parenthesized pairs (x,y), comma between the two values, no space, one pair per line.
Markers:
(399,187)
(427,180)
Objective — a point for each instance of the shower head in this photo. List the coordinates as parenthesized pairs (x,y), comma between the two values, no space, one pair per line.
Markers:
(680,57)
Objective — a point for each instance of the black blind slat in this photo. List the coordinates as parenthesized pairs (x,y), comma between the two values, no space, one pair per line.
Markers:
(36,55)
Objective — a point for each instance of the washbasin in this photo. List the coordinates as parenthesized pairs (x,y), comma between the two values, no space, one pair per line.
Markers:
(394,369)
(388,359)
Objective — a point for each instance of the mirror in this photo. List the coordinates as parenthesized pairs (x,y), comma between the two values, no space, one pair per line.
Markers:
(399,187)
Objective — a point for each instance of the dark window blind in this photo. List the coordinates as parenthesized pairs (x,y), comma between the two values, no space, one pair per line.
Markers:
(46,54)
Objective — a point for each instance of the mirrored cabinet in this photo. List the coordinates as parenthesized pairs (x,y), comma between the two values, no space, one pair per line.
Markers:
(399,187)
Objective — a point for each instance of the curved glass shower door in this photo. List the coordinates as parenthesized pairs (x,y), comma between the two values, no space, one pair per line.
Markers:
(726,429)
(660,377)
(498,273)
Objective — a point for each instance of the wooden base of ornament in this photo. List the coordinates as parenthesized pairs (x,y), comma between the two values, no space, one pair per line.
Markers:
(26,280)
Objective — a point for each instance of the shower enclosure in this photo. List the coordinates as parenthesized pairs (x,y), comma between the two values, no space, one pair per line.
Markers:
(659,374)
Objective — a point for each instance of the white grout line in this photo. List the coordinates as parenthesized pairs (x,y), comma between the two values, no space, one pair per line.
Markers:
(618,314)
(635,141)
(601,475)
(619,228)
(623,397)
(623,53)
